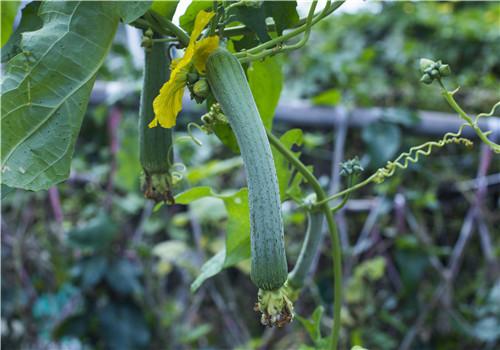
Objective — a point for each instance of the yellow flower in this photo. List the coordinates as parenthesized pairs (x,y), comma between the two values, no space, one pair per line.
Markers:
(169,102)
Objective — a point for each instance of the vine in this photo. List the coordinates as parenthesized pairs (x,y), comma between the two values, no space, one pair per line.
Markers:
(431,71)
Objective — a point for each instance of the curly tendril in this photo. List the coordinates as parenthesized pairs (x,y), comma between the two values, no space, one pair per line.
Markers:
(425,149)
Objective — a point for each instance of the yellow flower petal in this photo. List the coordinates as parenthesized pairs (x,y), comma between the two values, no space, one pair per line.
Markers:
(169,102)
(201,21)
(203,48)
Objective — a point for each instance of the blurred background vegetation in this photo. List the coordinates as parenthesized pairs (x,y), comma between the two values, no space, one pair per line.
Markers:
(91,264)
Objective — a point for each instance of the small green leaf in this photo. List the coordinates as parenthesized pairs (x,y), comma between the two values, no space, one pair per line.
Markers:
(9,11)
(372,269)
(210,268)
(313,325)
(92,271)
(226,135)
(165,8)
(121,325)
(123,277)
(212,168)
(403,116)
(330,97)
(237,233)
(266,81)
(382,140)
(95,235)
(187,19)
(193,194)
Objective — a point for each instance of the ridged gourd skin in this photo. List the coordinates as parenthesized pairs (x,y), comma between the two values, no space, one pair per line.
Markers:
(154,143)
(297,276)
(229,86)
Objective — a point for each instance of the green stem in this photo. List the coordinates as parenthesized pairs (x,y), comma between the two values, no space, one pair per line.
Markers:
(298,276)
(448,96)
(347,191)
(332,228)
(241,30)
(169,27)
(344,200)
(257,52)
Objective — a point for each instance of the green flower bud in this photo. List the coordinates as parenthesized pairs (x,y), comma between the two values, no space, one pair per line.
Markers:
(426,63)
(207,118)
(444,70)
(147,42)
(351,167)
(201,88)
(192,77)
(426,79)
(434,73)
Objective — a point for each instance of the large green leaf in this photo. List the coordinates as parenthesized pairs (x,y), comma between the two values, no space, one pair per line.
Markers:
(284,14)
(29,22)
(237,235)
(187,19)
(165,8)
(8,14)
(129,11)
(266,81)
(284,170)
(254,17)
(46,89)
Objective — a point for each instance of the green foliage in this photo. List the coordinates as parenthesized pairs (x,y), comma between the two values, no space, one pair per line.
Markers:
(129,11)
(371,56)
(187,19)
(9,11)
(383,141)
(212,168)
(29,22)
(331,97)
(313,326)
(43,107)
(113,273)
(254,17)
(165,8)
(237,233)
(266,81)
(288,181)
(96,234)
(284,15)
(364,273)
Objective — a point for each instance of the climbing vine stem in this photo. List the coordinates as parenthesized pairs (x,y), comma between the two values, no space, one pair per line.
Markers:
(275,45)
(332,228)
(449,97)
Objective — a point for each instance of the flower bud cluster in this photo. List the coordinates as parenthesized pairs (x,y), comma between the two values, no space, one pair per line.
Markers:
(433,70)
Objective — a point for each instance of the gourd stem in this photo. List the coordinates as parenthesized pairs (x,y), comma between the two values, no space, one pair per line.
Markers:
(170,27)
(448,96)
(248,55)
(242,29)
(332,228)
